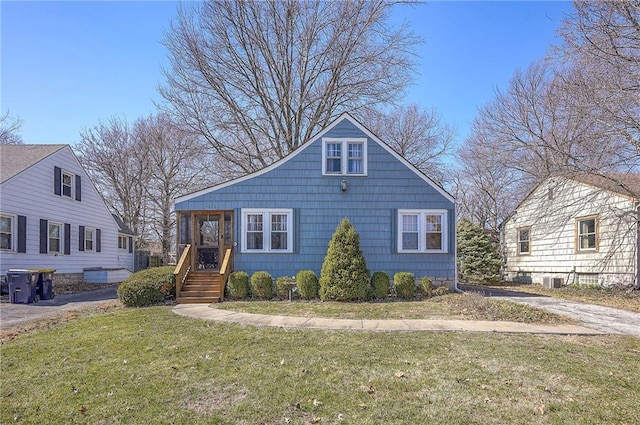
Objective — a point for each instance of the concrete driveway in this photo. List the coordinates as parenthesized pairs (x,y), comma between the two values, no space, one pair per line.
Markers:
(12,315)
(604,319)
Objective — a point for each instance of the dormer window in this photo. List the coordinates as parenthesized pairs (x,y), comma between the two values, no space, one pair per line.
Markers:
(344,156)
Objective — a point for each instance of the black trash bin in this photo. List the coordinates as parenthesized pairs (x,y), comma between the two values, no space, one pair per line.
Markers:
(45,284)
(23,286)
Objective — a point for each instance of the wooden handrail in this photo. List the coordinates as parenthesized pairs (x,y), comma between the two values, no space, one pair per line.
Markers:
(225,270)
(182,269)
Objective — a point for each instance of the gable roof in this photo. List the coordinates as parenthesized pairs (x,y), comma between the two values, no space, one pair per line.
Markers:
(122,228)
(308,143)
(626,184)
(14,159)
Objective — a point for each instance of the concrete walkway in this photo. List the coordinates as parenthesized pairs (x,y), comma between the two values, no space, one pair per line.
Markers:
(604,319)
(12,315)
(207,312)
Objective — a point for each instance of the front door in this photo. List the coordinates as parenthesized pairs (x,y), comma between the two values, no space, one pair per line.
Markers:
(207,241)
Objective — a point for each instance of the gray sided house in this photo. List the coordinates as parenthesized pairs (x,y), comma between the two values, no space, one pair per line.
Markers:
(281,219)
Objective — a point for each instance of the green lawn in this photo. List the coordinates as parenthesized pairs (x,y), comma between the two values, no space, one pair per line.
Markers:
(151,366)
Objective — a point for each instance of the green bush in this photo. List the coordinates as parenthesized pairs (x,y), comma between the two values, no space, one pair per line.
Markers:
(405,285)
(238,285)
(426,285)
(344,275)
(283,283)
(148,287)
(479,261)
(440,290)
(307,284)
(262,285)
(380,285)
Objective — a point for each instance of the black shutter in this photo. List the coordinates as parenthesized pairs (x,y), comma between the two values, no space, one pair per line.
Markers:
(22,234)
(44,236)
(98,240)
(67,239)
(130,243)
(81,238)
(78,188)
(57,180)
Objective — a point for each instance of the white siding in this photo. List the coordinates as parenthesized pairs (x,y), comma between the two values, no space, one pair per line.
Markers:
(31,194)
(553,234)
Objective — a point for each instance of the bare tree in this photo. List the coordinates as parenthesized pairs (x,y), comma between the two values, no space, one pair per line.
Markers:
(177,164)
(416,133)
(119,167)
(9,127)
(257,79)
(602,45)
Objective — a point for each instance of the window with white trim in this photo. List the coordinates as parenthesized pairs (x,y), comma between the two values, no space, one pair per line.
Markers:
(422,231)
(123,242)
(67,184)
(524,240)
(55,238)
(89,237)
(267,230)
(7,232)
(587,234)
(344,156)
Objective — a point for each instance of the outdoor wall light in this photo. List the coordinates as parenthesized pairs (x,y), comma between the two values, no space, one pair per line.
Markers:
(343,185)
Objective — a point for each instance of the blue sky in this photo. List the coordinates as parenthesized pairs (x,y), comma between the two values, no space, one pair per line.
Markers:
(67,65)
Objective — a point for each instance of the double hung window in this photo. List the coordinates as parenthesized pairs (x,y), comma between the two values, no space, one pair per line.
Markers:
(267,230)
(344,156)
(422,231)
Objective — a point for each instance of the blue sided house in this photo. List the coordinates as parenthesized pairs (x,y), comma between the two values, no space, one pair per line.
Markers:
(281,219)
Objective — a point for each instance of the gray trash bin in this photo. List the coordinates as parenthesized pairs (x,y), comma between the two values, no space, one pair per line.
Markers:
(23,286)
(45,284)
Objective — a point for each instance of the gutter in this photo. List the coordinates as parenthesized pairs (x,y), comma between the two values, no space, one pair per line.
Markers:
(455,252)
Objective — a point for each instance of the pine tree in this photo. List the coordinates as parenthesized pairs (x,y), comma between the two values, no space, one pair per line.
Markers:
(344,275)
(478,258)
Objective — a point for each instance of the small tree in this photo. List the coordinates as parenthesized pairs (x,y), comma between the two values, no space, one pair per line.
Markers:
(478,258)
(344,275)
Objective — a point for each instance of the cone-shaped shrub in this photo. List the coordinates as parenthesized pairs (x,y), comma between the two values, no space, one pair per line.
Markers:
(478,259)
(344,275)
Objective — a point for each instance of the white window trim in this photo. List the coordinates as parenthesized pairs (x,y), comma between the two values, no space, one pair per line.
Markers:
(93,239)
(14,229)
(266,229)
(344,152)
(125,246)
(72,194)
(422,237)
(60,250)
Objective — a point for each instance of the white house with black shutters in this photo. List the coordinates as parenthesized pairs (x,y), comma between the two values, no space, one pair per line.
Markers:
(52,216)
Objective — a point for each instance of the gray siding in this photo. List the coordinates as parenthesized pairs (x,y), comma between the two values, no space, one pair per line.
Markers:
(370,203)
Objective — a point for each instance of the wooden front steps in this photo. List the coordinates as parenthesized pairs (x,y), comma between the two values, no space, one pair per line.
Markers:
(201,287)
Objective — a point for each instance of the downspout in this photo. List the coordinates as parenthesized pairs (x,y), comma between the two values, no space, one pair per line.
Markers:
(455,252)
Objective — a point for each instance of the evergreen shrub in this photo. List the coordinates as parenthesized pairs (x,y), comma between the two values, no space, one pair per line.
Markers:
(238,285)
(380,285)
(344,275)
(405,285)
(426,285)
(283,283)
(148,287)
(262,285)
(307,284)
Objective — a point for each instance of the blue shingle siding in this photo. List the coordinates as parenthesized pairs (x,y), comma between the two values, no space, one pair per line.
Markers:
(371,203)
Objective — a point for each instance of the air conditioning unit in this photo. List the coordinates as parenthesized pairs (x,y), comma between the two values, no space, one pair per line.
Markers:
(552,282)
